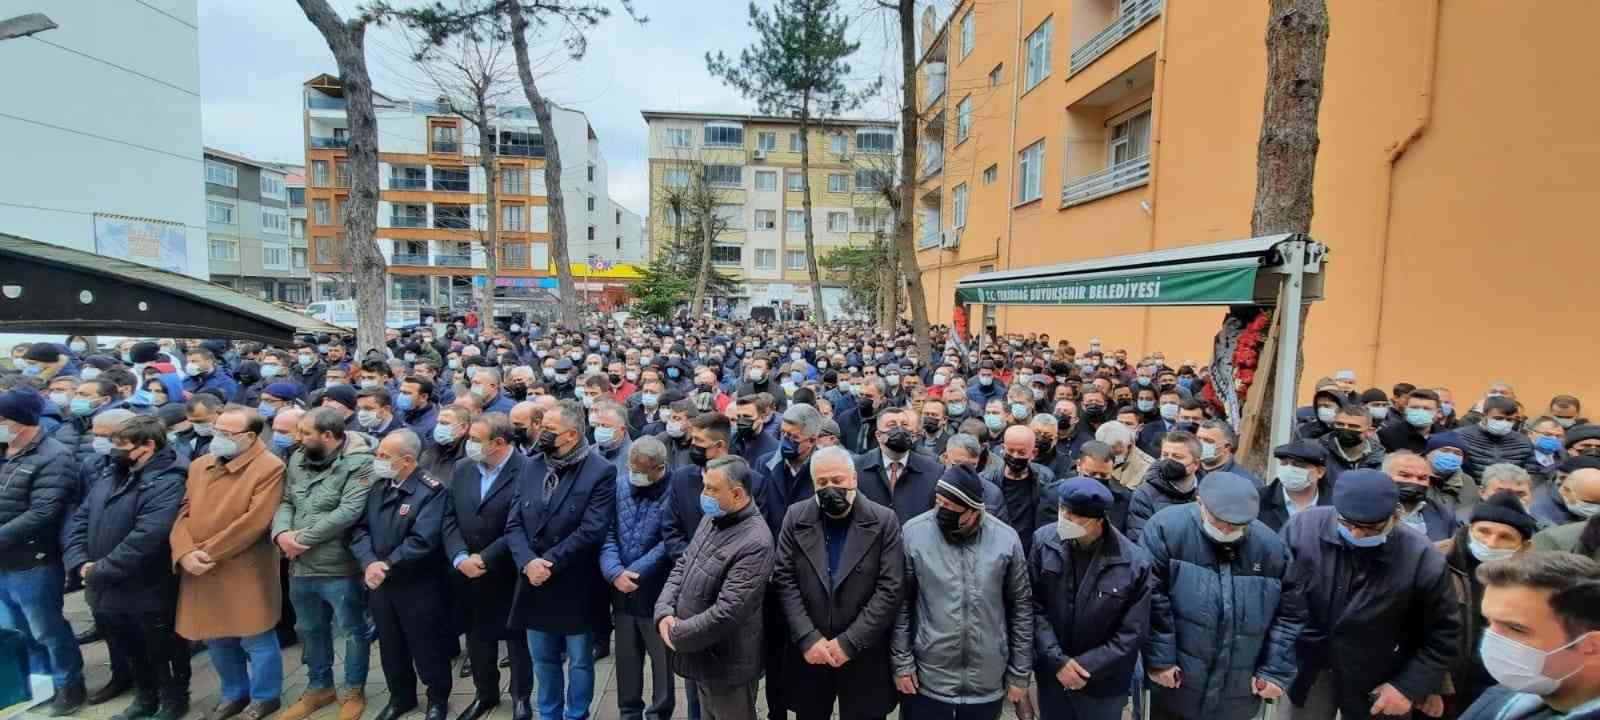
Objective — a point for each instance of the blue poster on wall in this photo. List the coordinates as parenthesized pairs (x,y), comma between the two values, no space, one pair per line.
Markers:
(155,243)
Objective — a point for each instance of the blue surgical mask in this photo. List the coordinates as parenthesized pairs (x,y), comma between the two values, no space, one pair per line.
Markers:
(1417,417)
(1446,464)
(994,422)
(1447,408)
(956,408)
(282,441)
(30,369)
(1145,405)
(443,433)
(1366,542)
(143,397)
(270,371)
(710,508)
(267,411)
(1169,411)
(81,406)
(649,399)
(403,402)
(788,448)
(1019,411)
(308,360)
(604,435)
(1547,444)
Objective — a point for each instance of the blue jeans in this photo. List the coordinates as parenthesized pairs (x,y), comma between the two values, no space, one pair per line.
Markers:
(547,670)
(319,603)
(30,602)
(263,656)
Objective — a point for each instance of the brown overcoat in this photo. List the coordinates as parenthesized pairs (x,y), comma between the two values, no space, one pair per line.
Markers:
(226,513)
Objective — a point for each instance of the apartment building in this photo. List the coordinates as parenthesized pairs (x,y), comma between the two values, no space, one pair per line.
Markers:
(1450,178)
(753,162)
(252,248)
(432,209)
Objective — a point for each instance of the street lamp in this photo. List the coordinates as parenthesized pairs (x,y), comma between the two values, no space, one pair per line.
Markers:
(25,25)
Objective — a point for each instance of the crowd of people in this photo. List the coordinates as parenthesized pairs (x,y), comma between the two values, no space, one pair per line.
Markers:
(818,515)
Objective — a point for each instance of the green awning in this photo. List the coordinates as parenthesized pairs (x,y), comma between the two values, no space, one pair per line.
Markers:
(1227,273)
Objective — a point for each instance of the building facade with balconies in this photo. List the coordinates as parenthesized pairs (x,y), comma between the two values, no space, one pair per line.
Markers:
(432,209)
(753,163)
(1076,129)
(252,247)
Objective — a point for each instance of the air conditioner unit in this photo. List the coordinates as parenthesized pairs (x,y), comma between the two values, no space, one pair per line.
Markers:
(759,155)
(951,239)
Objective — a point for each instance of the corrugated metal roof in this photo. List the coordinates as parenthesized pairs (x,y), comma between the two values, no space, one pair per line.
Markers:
(1257,248)
(165,281)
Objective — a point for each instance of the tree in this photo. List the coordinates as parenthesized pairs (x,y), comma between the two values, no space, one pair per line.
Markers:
(1286,160)
(862,269)
(905,250)
(666,283)
(347,41)
(511,20)
(797,69)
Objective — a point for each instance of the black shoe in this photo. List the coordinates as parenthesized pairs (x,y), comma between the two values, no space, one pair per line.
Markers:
(466,668)
(479,708)
(436,711)
(258,711)
(172,708)
(88,636)
(67,700)
(522,709)
(226,710)
(110,691)
(394,710)
(143,707)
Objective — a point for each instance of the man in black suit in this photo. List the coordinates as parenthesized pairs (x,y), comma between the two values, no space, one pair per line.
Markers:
(750,441)
(893,475)
(479,499)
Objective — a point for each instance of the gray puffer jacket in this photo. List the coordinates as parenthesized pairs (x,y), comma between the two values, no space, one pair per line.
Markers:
(966,630)
(717,591)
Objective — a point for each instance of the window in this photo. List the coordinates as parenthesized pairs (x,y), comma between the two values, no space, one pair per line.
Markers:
(795,181)
(319,173)
(794,220)
(219,212)
(995,74)
(766,259)
(275,221)
(319,213)
(676,177)
(726,254)
(451,217)
(297,197)
(794,142)
(964,118)
(272,186)
(679,137)
(794,259)
(591,173)
(670,215)
(591,203)
(991,174)
(838,222)
(870,180)
(870,220)
(274,256)
(1028,172)
(298,257)
(837,143)
(451,179)
(875,141)
(724,136)
(1130,139)
(591,232)
(514,181)
(224,250)
(969,33)
(766,219)
(341,174)
(511,218)
(221,174)
(838,183)
(731,216)
(297,228)
(444,139)
(959,214)
(618,218)
(767,141)
(1038,67)
(725,175)
(766,180)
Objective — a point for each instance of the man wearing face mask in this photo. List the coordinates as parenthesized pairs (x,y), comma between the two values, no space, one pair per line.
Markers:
(397,543)
(1325,404)
(1217,443)
(1091,603)
(1369,585)
(1026,486)
(1494,439)
(413,403)
(1540,642)
(970,603)
(985,386)
(375,413)
(894,476)
(1171,481)
(758,379)
(564,504)
(201,410)
(1349,444)
(633,560)
(710,435)
(1215,553)
(835,616)
(675,414)
(203,373)
(1301,483)
(1418,413)
(1423,508)
(486,388)
(1499,527)
(481,496)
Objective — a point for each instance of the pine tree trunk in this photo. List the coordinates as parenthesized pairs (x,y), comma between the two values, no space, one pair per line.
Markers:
(907,251)
(491,228)
(819,314)
(1286,159)
(347,42)
(552,166)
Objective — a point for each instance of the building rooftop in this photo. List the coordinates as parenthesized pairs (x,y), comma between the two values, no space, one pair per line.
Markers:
(232,157)
(736,117)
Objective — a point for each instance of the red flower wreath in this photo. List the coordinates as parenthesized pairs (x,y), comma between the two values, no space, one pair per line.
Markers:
(1247,354)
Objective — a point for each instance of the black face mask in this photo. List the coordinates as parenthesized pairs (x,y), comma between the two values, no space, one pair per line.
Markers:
(747,427)
(1016,464)
(1094,412)
(697,455)
(931,427)
(1044,447)
(950,524)
(547,442)
(702,387)
(898,440)
(1348,437)
(520,392)
(1172,471)
(864,406)
(1411,493)
(614,378)
(120,459)
(521,436)
(834,501)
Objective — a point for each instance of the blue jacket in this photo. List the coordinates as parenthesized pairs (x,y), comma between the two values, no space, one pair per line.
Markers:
(122,527)
(1223,614)
(682,513)
(635,542)
(500,403)
(777,488)
(980,396)
(1101,621)
(421,422)
(217,379)
(567,529)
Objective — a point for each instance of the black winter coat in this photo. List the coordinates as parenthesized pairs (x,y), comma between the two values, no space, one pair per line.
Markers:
(1484,449)
(717,591)
(122,527)
(475,523)
(1101,621)
(566,528)
(1152,496)
(36,487)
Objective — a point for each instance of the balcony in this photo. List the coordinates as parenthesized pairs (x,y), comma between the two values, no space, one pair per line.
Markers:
(408,221)
(329,143)
(514,259)
(410,259)
(452,261)
(937,80)
(446,222)
(519,150)
(1134,14)
(932,160)
(1110,181)
(448,147)
(451,185)
(323,102)
(405,183)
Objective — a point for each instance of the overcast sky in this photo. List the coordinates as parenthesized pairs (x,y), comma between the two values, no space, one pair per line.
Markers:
(255,54)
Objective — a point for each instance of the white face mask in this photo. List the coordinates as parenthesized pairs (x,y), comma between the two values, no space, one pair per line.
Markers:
(1294,479)
(383,468)
(1208,451)
(1484,553)
(1218,535)
(1325,414)
(1520,667)
(1069,530)
(639,479)
(1497,427)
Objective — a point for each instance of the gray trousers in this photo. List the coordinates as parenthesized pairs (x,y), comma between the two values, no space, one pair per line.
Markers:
(727,703)
(1321,703)
(636,639)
